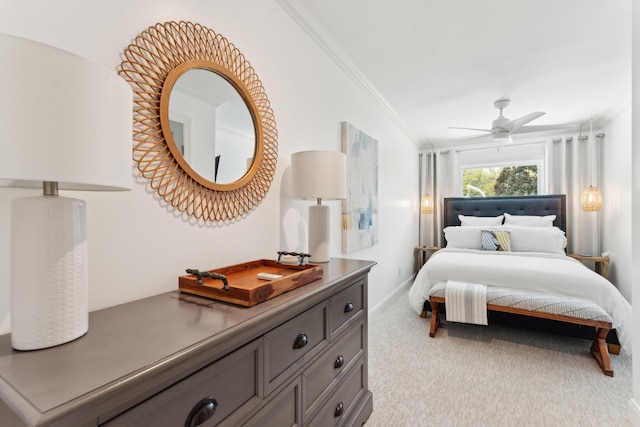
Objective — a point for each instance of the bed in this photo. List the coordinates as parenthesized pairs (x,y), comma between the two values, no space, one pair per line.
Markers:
(514,247)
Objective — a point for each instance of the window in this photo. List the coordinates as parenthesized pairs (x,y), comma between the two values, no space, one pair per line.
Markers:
(505,170)
(507,180)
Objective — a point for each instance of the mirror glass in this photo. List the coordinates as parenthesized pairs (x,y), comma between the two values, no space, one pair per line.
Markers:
(212,126)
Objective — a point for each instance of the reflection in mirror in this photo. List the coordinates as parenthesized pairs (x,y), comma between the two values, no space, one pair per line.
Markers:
(212,126)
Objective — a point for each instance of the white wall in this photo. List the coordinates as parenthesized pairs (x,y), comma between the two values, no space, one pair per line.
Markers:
(635,206)
(615,218)
(138,246)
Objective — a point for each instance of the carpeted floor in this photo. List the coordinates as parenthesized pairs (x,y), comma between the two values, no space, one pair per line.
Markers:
(495,375)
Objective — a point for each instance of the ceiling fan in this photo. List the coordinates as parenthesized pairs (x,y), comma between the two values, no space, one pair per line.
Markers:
(502,127)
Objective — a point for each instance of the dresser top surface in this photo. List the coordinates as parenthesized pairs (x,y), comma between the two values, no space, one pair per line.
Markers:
(131,338)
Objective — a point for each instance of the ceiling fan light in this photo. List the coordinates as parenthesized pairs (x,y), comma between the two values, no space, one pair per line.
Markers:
(502,136)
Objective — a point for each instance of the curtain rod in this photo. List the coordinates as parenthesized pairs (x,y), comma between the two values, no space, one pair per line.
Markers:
(580,138)
(499,146)
(600,135)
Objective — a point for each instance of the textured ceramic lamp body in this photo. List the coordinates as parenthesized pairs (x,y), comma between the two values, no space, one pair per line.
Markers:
(49,274)
(319,232)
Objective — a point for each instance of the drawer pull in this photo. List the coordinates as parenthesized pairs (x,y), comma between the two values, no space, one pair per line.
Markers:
(348,308)
(339,410)
(201,412)
(339,362)
(301,340)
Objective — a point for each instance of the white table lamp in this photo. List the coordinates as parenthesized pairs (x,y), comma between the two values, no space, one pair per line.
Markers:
(65,123)
(319,175)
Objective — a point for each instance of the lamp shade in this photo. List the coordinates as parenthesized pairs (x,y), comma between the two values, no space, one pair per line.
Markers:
(591,199)
(319,175)
(62,119)
(426,204)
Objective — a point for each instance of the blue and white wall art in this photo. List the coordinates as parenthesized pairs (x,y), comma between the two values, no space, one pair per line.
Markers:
(360,209)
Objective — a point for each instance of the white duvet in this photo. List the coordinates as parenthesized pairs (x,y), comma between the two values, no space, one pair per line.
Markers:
(539,272)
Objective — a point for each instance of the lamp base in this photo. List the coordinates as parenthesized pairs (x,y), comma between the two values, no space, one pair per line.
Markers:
(319,233)
(49,274)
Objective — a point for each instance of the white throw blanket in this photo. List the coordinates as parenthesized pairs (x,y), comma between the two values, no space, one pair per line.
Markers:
(539,272)
(466,302)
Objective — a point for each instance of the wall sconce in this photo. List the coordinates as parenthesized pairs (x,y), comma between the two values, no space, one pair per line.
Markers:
(65,123)
(319,175)
(591,198)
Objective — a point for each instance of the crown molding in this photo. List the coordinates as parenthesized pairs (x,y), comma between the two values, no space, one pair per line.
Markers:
(319,35)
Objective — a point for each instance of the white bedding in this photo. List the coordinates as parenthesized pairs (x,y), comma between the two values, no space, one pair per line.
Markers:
(533,271)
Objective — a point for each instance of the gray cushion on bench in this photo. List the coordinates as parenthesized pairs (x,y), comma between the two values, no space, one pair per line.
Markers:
(580,308)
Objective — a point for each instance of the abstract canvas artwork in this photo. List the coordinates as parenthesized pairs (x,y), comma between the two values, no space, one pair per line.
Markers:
(360,209)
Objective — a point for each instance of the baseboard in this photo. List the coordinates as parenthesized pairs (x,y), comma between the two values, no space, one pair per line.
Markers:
(634,412)
(389,297)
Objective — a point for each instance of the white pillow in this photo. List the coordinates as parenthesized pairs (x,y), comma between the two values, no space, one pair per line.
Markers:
(529,221)
(537,239)
(466,220)
(523,239)
(468,237)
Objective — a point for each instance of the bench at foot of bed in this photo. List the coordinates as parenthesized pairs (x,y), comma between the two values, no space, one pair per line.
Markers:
(593,316)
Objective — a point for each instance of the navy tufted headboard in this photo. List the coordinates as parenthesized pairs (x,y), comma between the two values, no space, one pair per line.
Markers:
(555,204)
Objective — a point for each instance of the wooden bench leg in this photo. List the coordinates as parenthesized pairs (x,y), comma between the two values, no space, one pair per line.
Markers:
(435,319)
(600,351)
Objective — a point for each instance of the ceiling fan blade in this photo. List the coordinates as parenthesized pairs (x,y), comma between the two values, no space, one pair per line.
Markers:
(479,130)
(518,123)
(543,128)
(486,136)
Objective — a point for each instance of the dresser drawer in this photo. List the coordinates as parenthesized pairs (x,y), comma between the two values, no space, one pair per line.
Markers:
(338,405)
(283,410)
(319,380)
(289,346)
(344,305)
(222,388)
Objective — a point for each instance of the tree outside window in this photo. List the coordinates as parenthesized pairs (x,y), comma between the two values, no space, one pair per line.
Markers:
(500,181)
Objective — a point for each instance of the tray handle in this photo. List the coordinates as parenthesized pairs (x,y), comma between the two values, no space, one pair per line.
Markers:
(200,274)
(301,256)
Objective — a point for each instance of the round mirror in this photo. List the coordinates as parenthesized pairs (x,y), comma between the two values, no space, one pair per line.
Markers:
(210,125)
(204,132)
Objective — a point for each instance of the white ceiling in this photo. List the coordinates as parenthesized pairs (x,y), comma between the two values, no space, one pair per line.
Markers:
(433,64)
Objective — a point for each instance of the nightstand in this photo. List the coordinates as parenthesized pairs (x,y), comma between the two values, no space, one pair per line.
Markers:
(601,263)
(423,253)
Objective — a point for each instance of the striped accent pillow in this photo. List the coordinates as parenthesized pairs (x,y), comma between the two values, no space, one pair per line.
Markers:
(496,240)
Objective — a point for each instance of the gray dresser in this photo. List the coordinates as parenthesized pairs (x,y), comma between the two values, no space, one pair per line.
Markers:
(176,359)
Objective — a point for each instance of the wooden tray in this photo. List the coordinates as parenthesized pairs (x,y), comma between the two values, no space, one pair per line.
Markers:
(244,286)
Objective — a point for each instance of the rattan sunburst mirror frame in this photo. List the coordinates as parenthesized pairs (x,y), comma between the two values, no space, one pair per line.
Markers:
(153,62)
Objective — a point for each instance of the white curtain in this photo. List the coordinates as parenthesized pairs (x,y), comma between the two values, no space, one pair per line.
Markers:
(426,177)
(571,165)
(441,180)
